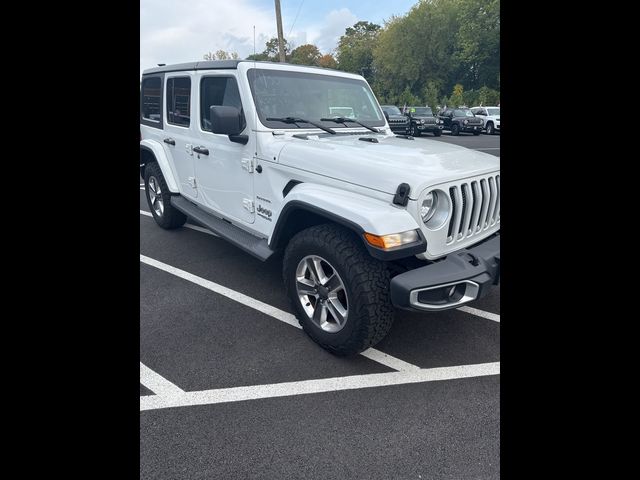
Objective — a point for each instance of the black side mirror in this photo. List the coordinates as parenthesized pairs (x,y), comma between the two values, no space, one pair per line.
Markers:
(227,121)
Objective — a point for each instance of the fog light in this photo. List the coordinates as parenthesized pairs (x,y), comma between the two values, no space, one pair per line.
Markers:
(452,291)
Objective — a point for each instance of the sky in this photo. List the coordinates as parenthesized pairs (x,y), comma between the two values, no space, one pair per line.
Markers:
(176,31)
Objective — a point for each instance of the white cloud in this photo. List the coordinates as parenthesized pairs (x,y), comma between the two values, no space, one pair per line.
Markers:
(326,36)
(183,31)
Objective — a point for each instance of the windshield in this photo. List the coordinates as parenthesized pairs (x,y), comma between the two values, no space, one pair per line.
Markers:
(311,96)
(463,113)
(391,109)
(493,111)
(426,111)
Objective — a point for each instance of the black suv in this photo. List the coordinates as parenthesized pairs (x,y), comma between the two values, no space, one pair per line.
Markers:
(458,120)
(422,120)
(398,122)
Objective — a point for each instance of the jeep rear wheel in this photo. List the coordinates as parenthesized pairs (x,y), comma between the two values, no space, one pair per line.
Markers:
(159,199)
(339,292)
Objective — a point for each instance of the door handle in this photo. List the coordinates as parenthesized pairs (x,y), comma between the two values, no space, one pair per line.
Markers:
(201,150)
(170,141)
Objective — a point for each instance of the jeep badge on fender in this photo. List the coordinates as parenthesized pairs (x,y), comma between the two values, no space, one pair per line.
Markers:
(367,221)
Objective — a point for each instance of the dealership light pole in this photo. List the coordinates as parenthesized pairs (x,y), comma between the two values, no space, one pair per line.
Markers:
(280,39)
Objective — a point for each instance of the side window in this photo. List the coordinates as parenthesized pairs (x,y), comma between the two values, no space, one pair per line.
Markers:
(179,101)
(219,91)
(151,102)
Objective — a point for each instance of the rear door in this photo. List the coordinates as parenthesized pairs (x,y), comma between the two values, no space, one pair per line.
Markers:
(179,128)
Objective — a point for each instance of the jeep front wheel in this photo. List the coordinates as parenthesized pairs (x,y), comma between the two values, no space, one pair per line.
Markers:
(414,131)
(339,292)
(489,128)
(455,129)
(159,199)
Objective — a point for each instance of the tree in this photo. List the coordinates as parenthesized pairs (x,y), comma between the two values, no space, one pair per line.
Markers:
(327,61)
(457,99)
(430,94)
(270,53)
(478,43)
(221,55)
(306,55)
(355,49)
(417,48)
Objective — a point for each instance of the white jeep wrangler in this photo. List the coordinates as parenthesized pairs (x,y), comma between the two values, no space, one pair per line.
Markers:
(367,220)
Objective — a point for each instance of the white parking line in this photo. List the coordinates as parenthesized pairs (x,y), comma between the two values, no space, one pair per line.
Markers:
(158,384)
(187,225)
(237,394)
(481,313)
(372,354)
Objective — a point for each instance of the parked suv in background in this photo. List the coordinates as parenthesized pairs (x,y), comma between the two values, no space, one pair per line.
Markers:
(422,120)
(398,122)
(491,117)
(366,220)
(458,120)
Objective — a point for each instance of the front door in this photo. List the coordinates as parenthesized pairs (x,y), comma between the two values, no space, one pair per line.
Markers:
(178,129)
(223,168)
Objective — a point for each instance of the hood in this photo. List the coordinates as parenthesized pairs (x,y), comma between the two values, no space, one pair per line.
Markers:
(385,165)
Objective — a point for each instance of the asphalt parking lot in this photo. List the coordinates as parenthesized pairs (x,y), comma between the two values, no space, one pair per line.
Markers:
(230,387)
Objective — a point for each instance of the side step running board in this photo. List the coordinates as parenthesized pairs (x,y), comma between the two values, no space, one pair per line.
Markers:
(257,247)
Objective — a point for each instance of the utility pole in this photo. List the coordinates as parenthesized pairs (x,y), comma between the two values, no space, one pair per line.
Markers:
(280,39)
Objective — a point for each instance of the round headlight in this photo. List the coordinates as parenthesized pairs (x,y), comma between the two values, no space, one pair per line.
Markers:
(422,121)
(466,121)
(429,206)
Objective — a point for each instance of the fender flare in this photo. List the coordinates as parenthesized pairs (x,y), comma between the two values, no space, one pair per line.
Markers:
(158,153)
(357,213)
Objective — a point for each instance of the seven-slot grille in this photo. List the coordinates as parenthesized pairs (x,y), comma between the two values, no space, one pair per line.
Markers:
(475,207)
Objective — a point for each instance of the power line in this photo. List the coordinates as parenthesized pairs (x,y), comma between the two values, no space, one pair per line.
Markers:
(294,20)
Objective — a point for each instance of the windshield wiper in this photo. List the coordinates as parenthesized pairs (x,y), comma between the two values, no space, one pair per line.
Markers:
(344,120)
(295,121)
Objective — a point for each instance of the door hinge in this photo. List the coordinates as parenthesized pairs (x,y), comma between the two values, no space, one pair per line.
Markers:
(192,182)
(247,203)
(247,164)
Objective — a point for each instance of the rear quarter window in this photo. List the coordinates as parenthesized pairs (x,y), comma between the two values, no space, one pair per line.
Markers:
(151,101)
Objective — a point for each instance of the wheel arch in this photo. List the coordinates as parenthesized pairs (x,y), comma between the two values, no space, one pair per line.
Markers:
(311,205)
(151,151)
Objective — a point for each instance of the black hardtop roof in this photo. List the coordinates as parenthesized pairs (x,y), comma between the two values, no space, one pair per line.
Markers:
(219,65)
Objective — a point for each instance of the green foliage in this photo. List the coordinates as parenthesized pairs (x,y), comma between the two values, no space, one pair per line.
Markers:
(355,49)
(306,55)
(436,45)
(430,95)
(270,53)
(457,98)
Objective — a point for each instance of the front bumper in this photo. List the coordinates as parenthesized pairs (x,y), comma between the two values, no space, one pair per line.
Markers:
(471,128)
(428,128)
(459,278)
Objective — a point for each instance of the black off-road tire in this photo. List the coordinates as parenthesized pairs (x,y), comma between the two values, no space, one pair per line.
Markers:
(366,282)
(414,132)
(455,129)
(171,217)
(489,128)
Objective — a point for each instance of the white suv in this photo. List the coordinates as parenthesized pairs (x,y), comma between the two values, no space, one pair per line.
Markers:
(367,220)
(491,117)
